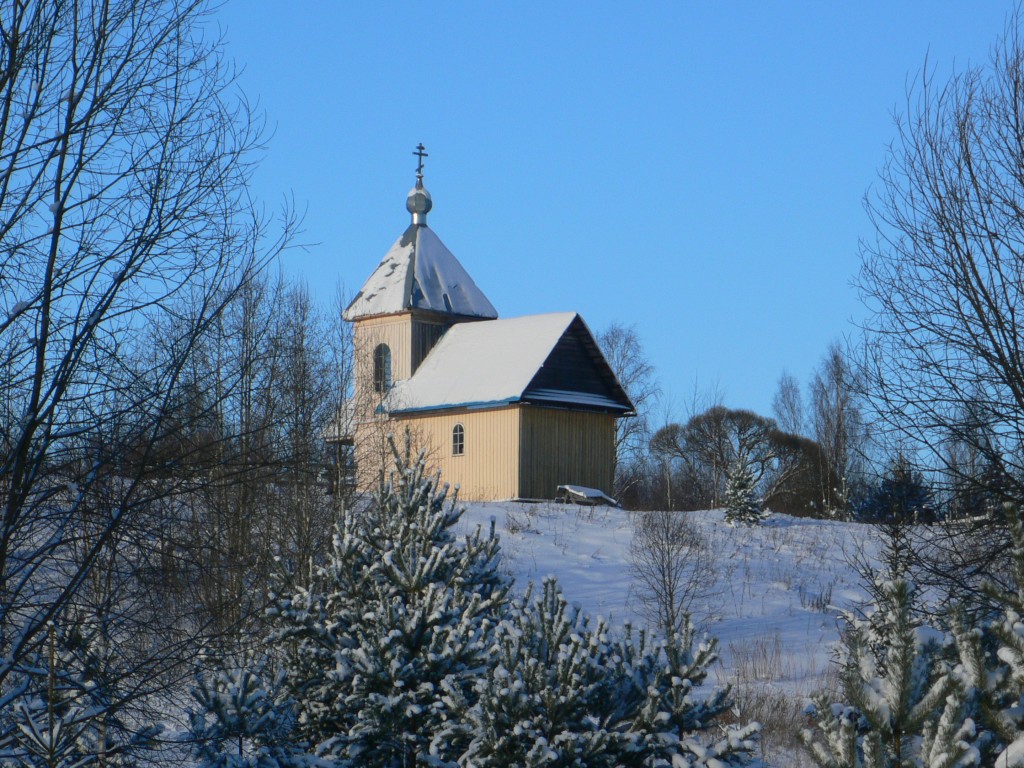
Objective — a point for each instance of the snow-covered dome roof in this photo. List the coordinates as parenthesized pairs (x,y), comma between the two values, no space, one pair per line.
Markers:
(419,272)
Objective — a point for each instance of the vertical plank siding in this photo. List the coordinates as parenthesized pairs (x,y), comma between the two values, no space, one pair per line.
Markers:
(425,335)
(410,336)
(372,452)
(565,447)
(488,469)
(511,452)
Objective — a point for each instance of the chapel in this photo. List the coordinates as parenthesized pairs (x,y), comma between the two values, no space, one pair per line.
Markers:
(505,408)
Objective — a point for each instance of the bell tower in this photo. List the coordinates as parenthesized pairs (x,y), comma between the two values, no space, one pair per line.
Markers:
(417,292)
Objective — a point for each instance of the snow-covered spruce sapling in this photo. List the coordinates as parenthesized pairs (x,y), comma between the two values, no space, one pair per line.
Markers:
(992,661)
(394,630)
(537,704)
(897,690)
(244,720)
(563,692)
(60,711)
(742,505)
(682,729)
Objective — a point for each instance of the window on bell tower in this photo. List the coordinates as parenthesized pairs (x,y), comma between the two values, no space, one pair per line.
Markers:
(381,368)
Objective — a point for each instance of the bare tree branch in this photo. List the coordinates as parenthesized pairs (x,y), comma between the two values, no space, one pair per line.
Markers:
(124,161)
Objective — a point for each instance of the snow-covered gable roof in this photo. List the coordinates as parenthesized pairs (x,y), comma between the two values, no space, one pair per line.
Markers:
(522,359)
(419,272)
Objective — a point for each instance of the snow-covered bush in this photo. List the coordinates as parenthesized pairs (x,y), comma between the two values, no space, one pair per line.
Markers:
(991,650)
(404,650)
(539,702)
(245,720)
(912,703)
(904,705)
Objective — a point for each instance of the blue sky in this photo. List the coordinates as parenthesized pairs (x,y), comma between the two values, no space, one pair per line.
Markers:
(696,170)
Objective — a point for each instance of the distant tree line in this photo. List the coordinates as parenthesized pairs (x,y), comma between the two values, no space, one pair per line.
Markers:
(835,457)
(813,463)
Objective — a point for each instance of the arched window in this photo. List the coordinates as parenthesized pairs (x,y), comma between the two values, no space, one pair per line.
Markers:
(381,368)
(458,440)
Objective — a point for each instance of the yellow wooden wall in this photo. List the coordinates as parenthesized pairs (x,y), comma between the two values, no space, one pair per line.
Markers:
(489,468)
(517,451)
(564,447)
(372,452)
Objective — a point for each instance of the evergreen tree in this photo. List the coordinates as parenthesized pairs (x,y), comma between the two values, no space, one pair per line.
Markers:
(404,651)
(901,497)
(904,706)
(388,638)
(563,692)
(245,720)
(62,712)
(536,704)
(742,505)
(981,496)
(910,705)
(992,661)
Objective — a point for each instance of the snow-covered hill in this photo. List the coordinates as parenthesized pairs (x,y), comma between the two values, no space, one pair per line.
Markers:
(775,590)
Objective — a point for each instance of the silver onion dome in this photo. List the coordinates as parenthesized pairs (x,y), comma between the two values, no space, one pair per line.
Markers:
(419,203)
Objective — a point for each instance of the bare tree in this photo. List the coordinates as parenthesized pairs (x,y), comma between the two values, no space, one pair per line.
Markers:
(270,375)
(342,452)
(124,159)
(672,567)
(719,440)
(976,482)
(313,367)
(788,405)
(236,373)
(945,272)
(671,481)
(944,278)
(692,481)
(794,484)
(838,427)
(625,354)
(708,444)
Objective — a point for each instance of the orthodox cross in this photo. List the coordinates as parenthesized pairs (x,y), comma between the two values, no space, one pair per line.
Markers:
(420,153)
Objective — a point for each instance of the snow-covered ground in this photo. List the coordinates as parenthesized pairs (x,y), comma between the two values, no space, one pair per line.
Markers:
(776,589)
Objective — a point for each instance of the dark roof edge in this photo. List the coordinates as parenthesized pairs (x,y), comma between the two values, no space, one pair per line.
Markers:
(592,348)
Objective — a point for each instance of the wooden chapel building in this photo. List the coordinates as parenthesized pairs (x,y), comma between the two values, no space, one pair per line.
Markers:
(504,408)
